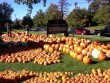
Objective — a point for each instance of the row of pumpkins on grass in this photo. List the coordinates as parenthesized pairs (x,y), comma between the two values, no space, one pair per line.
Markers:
(81,53)
(26,76)
(77,48)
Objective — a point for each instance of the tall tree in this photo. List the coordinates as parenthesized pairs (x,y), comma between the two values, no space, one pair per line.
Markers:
(29,3)
(95,4)
(5,12)
(39,19)
(52,13)
(100,1)
(102,15)
(63,7)
(78,17)
(27,21)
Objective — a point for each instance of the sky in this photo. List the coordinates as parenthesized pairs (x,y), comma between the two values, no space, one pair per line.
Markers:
(21,10)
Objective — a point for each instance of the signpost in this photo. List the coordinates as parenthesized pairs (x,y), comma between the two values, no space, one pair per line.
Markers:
(57,26)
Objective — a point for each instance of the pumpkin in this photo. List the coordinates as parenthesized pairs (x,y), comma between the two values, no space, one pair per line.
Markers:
(84,51)
(95,53)
(79,49)
(67,50)
(75,54)
(108,53)
(87,60)
(102,56)
(80,57)
(51,49)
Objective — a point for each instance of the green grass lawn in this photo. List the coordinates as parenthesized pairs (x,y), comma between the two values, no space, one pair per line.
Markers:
(95,27)
(66,64)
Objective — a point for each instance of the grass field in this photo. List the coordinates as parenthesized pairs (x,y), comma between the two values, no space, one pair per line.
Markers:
(95,27)
(66,64)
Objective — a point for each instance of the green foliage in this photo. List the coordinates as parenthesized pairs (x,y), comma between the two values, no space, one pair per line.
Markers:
(39,20)
(78,17)
(93,7)
(29,1)
(52,13)
(16,24)
(95,4)
(5,13)
(27,21)
(102,16)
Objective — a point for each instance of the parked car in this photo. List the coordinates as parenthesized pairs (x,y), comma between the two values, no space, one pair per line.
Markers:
(38,28)
(101,32)
(82,31)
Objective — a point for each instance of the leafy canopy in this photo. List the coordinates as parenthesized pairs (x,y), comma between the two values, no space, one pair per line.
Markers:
(5,12)
(39,19)
(102,16)
(78,17)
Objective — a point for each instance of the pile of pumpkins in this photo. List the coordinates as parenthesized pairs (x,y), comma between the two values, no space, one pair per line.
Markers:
(81,49)
(26,76)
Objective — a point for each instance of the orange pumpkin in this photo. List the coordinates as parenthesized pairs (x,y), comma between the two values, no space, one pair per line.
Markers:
(79,49)
(64,49)
(102,56)
(60,48)
(87,60)
(46,47)
(57,46)
(80,57)
(51,49)
(67,50)
(71,53)
(75,54)
(84,51)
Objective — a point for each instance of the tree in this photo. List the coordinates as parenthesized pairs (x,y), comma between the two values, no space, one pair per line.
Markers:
(27,21)
(95,4)
(93,7)
(102,15)
(52,13)
(16,24)
(78,17)
(63,7)
(5,13)
(29,3)
(39,19)
(100,1)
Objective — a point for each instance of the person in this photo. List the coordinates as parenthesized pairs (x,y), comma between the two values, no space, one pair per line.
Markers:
(8,29)
(73,30)
(27,29)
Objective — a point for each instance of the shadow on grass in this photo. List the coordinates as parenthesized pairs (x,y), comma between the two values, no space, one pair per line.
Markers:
(15,79)
(106,35)
(13,47)
(94,62)
(108,59)
(105,41)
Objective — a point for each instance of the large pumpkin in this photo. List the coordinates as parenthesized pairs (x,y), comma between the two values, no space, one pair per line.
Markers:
(87,60)
(95,53)
(80,57)
(79,49)
(102,56)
